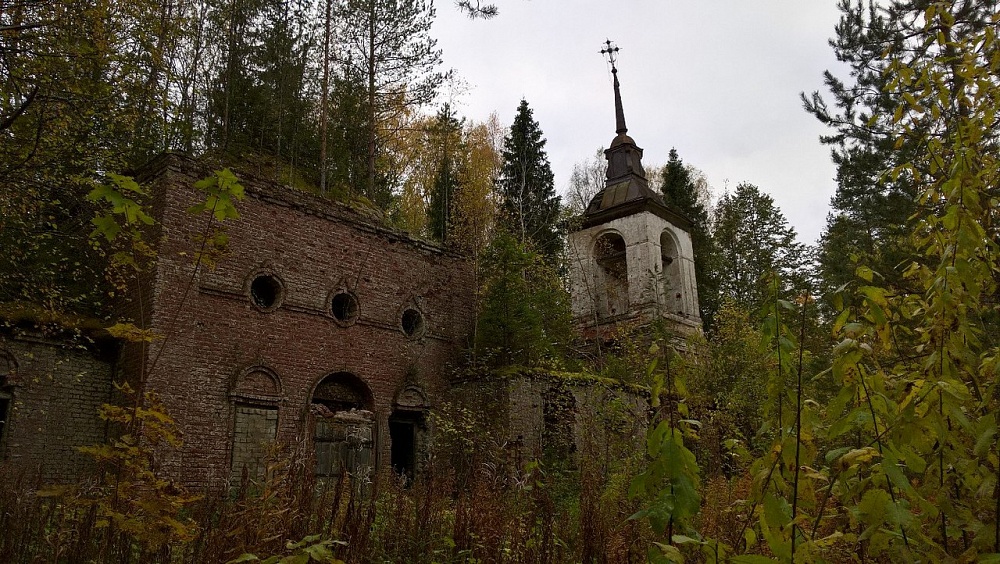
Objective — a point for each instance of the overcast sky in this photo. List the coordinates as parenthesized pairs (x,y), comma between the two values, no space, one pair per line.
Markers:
(719,80)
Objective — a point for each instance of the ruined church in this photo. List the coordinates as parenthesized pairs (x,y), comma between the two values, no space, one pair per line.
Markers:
(322,327)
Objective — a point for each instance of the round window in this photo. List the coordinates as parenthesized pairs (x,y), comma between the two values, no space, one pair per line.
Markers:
(344,307)
(412,323)
(266,291)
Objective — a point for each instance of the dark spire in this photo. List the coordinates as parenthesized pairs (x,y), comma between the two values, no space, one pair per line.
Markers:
(619,111)
(626,190)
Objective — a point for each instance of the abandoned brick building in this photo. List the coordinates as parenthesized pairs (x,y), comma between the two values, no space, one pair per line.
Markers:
(322,327)
(314,312)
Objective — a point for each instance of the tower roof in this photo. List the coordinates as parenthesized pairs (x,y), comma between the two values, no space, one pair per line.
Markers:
(626,190)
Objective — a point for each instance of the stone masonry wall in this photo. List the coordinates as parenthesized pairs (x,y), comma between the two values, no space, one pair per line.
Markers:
(55,391)
(214,334)
(602,415)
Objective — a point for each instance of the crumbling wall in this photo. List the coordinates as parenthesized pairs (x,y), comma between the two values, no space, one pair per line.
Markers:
(52,389)
(562,415)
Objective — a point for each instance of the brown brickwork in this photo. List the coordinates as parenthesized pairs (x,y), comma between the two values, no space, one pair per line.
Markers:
(52,391)
(221,350)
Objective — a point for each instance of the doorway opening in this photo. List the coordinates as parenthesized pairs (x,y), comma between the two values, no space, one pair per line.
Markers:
(405,429)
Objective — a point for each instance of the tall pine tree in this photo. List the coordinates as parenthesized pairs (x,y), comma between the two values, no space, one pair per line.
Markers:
(387,45)
(870,209)
(526,188)
(447,135)
(679,191)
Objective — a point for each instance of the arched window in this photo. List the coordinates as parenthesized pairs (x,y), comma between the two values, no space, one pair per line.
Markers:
(344,432)
(612,275)
(673,294)
(256,394)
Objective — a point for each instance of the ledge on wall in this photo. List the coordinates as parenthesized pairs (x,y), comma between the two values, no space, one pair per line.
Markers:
(518,372)
(259,184)
(28,320)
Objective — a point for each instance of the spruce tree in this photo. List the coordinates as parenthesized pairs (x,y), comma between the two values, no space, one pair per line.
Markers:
(754,239)
(680,192)
(447,135)
(526,187)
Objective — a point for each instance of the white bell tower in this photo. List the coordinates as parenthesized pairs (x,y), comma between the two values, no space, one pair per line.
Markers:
(631,259)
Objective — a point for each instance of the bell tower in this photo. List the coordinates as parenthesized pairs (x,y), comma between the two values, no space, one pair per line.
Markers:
(631,259)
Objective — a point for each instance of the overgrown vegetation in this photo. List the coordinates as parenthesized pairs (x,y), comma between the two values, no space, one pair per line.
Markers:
(489,506)
(856,422)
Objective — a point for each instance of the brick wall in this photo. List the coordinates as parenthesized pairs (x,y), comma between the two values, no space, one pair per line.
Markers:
(214,334)
(54,389)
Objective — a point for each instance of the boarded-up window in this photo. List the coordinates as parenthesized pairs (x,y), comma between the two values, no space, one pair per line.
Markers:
(255,429)
(343,442)
(344,427)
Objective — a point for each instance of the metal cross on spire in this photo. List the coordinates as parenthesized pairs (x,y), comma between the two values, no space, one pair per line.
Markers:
(611,52)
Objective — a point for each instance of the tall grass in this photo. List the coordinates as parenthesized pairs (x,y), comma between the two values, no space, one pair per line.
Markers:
(497,509)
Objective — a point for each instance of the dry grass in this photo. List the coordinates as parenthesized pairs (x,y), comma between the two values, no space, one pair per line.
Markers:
(501,512)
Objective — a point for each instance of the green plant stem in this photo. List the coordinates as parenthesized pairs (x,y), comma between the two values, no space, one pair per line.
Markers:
(878,441)
(798,420)
(777,346)
(944,518)
(670,406)
(822,506)
(753,508)
(996,506)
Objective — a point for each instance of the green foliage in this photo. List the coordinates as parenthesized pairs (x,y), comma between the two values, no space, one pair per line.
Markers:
(525,317)
(753,240)
(869,223)
(679,191)
(728,377)
(310,549)
(447,132)
(121,226)
(915,366)
(528,196)
(256,101)
(129,496)
(669,484)
(386,49)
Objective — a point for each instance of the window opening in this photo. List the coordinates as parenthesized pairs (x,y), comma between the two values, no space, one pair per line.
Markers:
(670,270)
(412,323)
(611,258)
(5,401)
(265,291)
(7,377)
(559,416)
(344,307)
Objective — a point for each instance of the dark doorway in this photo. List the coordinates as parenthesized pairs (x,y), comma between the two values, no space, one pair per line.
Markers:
(4,413)
(403,429)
